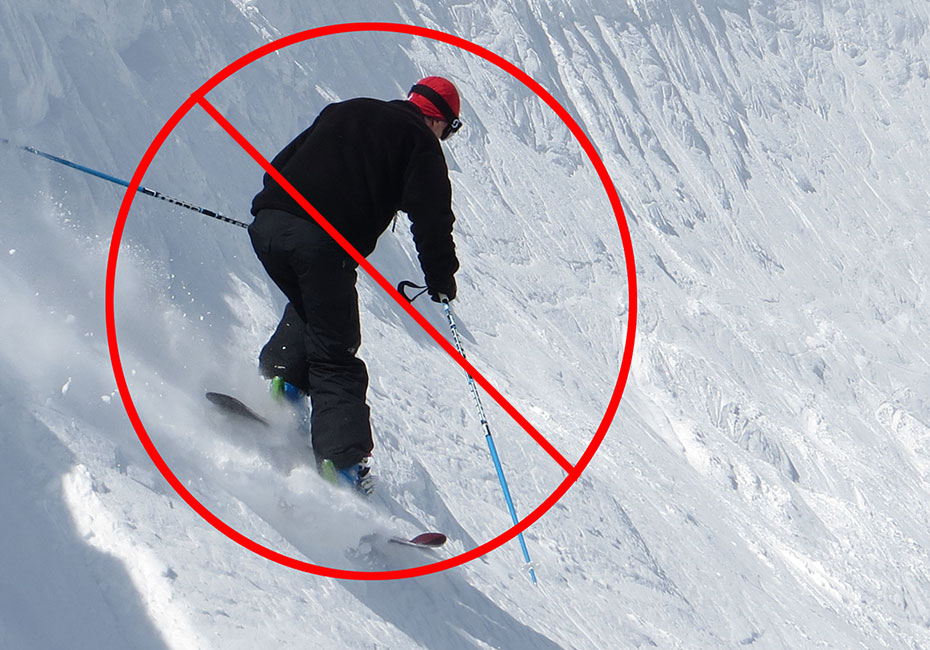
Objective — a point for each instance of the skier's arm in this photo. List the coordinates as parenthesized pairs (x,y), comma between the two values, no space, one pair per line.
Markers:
(427,199)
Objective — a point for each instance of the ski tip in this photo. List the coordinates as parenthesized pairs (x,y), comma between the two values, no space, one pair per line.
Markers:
(433,540)
(216,398)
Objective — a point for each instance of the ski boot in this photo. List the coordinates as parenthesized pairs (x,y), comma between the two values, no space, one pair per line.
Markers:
(356,477)
(287,393)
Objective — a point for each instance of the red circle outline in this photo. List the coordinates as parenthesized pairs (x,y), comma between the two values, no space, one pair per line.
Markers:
(113,255)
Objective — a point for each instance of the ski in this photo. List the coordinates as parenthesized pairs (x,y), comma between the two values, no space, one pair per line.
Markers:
(424,540)
(231,406)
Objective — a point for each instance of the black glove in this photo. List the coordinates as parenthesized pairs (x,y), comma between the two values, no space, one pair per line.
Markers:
(444,288)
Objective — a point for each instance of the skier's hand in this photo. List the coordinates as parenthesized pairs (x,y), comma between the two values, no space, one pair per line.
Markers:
(443,291)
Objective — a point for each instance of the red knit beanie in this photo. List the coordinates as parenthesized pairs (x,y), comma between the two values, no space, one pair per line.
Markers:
(442,86)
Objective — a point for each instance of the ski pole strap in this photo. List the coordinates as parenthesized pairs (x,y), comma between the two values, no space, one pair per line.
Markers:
(407,284)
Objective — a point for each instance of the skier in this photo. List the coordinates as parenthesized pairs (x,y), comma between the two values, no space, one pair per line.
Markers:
(360,162)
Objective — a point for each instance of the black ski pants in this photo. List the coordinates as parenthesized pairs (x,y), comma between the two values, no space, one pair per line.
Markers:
(315,344)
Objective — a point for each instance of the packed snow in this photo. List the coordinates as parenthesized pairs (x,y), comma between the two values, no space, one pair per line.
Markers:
(766,481)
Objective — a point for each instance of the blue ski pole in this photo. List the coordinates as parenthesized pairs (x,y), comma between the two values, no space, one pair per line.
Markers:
(120,181)
(490,440)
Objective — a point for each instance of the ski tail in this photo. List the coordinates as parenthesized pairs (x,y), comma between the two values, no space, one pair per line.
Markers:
(232,406)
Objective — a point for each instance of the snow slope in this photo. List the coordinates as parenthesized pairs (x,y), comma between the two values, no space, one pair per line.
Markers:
(765,482)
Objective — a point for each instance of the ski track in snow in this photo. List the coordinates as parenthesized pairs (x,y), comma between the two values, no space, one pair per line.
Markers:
(765,483)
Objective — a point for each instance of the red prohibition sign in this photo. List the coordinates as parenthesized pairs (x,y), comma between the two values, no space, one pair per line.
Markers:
(573,471)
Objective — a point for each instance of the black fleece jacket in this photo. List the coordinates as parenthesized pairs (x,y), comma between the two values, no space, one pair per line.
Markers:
(360,162)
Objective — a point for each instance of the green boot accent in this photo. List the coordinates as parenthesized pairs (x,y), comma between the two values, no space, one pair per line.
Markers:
(328,472)
(283,391)
(277,389)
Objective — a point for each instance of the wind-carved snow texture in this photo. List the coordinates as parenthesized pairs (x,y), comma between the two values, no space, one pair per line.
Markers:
(765,483)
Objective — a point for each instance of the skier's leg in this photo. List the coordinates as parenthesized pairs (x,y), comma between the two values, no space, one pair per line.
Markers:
(318,277)
(337,379)
(274,240)
(284,355)
(275,236)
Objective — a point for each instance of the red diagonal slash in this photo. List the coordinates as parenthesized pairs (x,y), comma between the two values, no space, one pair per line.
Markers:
(383,283)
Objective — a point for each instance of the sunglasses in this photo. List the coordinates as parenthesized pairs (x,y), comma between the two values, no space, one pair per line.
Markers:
(453,123)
